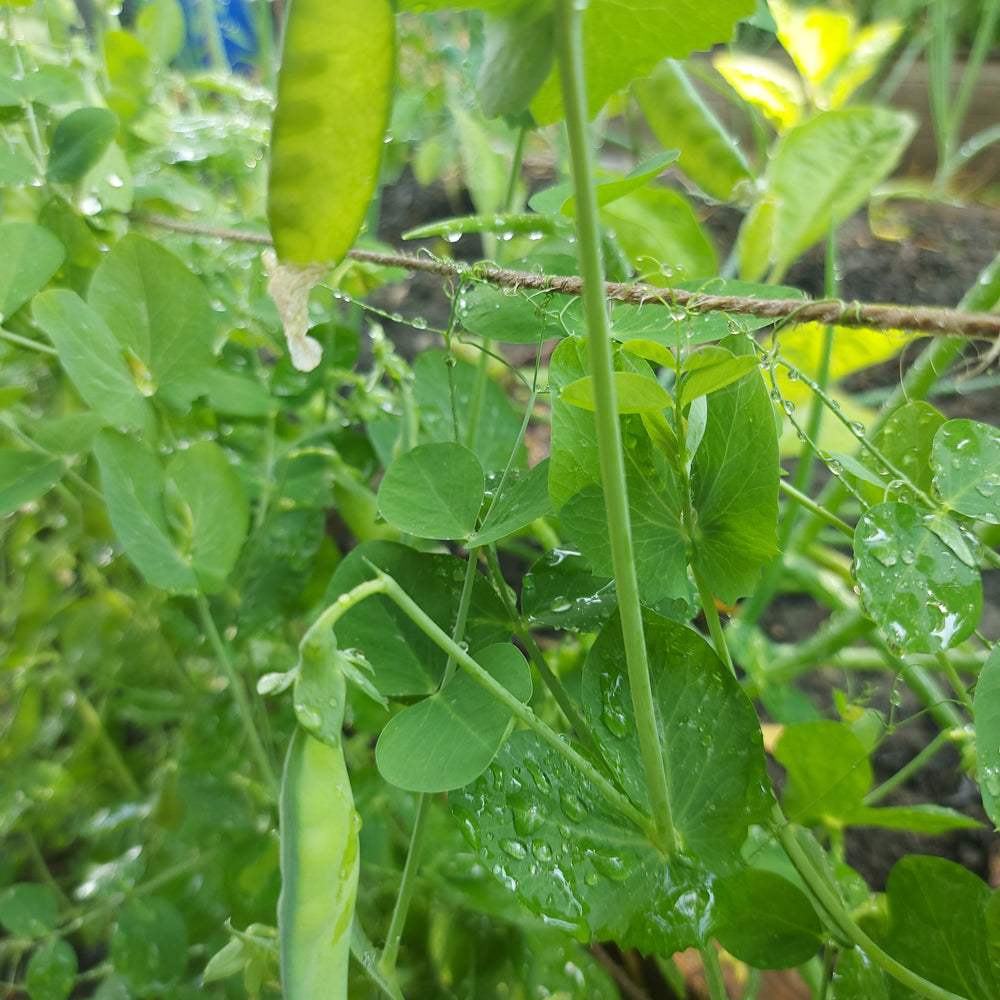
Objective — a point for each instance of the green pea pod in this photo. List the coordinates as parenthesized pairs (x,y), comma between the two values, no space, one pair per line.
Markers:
(319,870)
(334,96)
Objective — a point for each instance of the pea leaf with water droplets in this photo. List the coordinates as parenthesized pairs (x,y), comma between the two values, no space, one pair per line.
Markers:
(986,706)
(918,580)
(549,836)
(966,463)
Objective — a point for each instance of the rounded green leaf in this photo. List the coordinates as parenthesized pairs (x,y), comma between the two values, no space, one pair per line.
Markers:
(966,462)
(560,591)
(51,972)
(986,706)
(79,141)
(30,255)
(449,739)
(772,924)
(28,909)
(149,945)
(334,95)
(938,926)
(920,590)
(433,491)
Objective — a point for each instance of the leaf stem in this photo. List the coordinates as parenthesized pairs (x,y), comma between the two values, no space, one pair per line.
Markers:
(569,47)
(711,610)
(239,694)
(829,900)
(387,963)
(713,973)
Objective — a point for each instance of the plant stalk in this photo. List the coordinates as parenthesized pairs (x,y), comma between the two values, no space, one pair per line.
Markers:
(569,48)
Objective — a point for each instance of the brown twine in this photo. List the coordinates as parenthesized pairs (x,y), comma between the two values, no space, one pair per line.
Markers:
(930,320)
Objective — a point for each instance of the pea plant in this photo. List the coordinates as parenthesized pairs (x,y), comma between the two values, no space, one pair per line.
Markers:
(645,816)
(505,615)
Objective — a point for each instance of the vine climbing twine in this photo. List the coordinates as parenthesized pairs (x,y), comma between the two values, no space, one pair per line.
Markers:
(928,320)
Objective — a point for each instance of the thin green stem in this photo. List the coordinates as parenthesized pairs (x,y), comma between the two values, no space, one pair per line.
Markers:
(27,342)
(711,611)
(387,963)
(92,721)
(239,693)
(909,768)
(569,48)
(713,973)
(537,657)
(814,508)
(961,692)
(828,899)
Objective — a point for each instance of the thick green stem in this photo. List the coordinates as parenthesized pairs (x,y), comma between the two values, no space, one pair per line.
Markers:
(569,48)
(828,899)
(713,973)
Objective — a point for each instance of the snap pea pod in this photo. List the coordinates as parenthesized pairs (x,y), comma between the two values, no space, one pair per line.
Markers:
(319,870)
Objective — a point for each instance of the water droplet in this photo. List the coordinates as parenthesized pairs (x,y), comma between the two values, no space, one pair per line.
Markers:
(572,806)
(541,850)
(610,866)
(857,428)
(453,238)
(418,323)
(907,556)
(514,848)
(793,375)
(788,406)
(541,780)
(528,817)
(592,878)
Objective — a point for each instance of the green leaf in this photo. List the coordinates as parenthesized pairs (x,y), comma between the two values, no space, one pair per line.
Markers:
(549,836)
(51,972)
(433,491)
(712,745)
(734,488)
(517,56)
(844,154)
(78,142)
(25,476)
(31,255)
(237,395)
(160,27)
(986,706)
(510,318)
(213,496)
(134,484)
(524,499)
(625,40)
(406,661)
(28,909)
(610,190)
(680,119)
(93,358)
(938,926)
(857,977)
(636,393)
(497,434)
(658,231)
(923,592)
(711,369)
(905,439)
(774,925)
(328,134)
(828,772)
(160,313)
(149,945)
(560,591)
(966,463)
(449,739)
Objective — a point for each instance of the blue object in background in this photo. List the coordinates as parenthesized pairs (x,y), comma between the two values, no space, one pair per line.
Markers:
(233,23)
